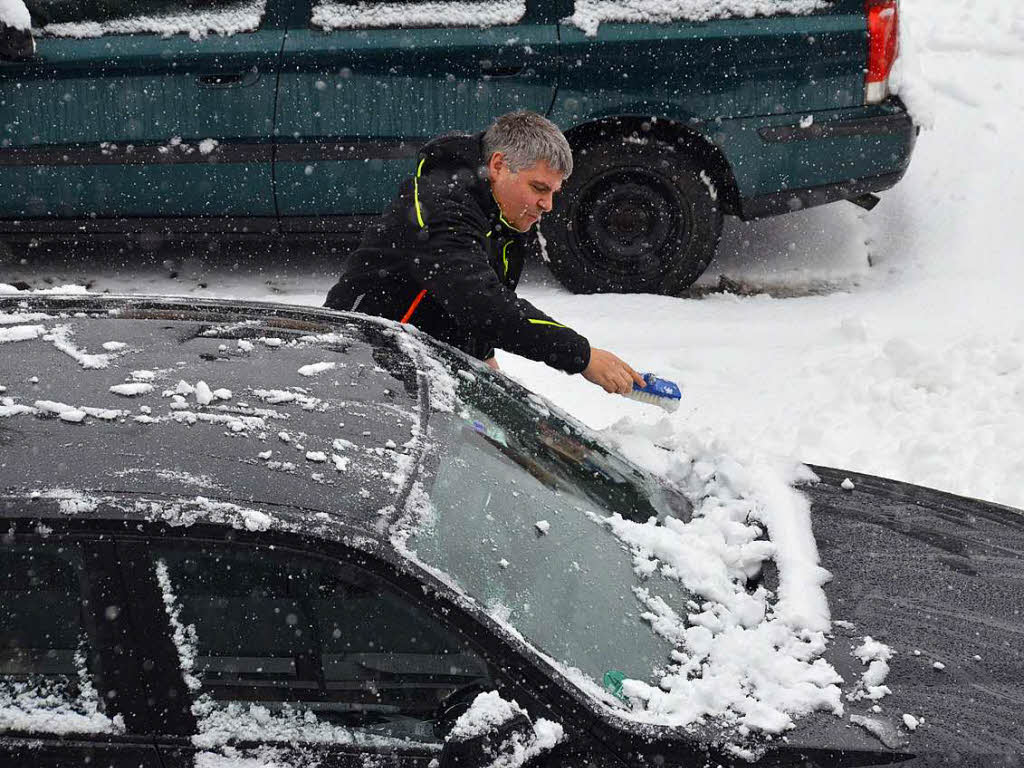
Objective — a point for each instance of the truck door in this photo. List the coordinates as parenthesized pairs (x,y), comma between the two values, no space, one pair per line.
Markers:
(363,85)
(140,108)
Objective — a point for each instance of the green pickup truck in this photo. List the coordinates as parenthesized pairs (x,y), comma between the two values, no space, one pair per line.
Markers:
(170,119)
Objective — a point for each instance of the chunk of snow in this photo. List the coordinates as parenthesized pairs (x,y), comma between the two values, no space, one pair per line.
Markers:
(911,722)
(871,650)
(133,389)
(15,14)
(314,368)
(60,410)
(106,414)
(246,346)
(21,333)
(222,394)
(543,526)
(276,396)
(206,146)
(204,396)
(335,15)
(317,456)
(487,711)
(14,409)
(114,346)
(939,666)
(340,462)
(847,484)
(71,502)
(265,455)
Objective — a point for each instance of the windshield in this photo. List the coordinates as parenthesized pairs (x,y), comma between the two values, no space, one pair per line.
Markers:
(518,497)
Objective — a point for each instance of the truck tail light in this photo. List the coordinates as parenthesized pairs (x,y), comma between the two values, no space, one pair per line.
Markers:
(883,47)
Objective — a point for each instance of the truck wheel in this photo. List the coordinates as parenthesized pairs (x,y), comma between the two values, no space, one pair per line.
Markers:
(636,216)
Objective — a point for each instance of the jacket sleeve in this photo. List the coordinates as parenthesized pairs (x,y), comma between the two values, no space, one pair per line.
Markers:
(454,270)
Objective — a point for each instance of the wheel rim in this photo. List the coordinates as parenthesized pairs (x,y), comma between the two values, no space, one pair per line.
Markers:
(625,218)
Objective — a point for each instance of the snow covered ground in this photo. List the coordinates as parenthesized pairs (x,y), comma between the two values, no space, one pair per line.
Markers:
(889,343)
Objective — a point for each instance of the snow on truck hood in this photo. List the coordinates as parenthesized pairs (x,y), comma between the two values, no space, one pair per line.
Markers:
(266,416)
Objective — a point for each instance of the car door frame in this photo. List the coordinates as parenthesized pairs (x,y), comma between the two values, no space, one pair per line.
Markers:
(516,677)
(119,672)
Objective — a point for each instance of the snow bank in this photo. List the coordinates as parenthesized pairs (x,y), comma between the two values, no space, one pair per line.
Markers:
(589,14)
(329,15)
(752,658)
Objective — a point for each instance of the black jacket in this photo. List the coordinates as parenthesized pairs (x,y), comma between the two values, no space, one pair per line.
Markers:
(443,258)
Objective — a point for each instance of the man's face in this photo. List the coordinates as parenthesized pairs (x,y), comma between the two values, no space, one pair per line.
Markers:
(525,196)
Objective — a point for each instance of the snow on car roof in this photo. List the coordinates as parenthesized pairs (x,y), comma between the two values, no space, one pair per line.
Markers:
(205,411)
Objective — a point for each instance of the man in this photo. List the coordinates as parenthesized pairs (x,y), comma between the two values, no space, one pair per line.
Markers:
(448,253)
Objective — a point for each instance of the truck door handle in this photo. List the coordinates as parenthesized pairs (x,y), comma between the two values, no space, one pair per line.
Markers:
(504,71)
(229,79)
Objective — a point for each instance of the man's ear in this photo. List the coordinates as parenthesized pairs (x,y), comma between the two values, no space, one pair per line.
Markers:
(496,164)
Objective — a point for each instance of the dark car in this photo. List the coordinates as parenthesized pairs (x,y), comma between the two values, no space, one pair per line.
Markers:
(156,119)
(261,535)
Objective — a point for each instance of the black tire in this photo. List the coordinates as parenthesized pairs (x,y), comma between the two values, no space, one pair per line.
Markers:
(634,217)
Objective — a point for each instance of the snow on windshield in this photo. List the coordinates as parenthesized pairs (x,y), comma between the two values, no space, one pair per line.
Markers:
(744,654)
(335,15)
(197,24)
(753,657)
(589,14)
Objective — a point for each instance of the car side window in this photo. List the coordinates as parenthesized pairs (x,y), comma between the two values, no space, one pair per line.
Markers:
(91,18)
(409,14)
(45,682)
(282,649)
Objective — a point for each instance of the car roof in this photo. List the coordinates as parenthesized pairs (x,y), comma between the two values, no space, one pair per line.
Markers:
(103,406)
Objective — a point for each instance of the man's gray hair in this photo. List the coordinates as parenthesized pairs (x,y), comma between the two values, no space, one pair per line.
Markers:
(524,139)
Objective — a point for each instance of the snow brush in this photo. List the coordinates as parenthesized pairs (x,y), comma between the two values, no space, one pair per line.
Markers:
(660,392)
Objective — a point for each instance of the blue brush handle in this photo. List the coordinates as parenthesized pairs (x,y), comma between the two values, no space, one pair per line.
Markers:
(659,387)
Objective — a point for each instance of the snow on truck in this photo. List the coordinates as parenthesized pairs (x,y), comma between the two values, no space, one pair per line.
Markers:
(156,119)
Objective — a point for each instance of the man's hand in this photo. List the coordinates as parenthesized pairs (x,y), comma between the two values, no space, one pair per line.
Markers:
(608,371)
(492,362)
